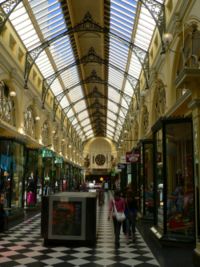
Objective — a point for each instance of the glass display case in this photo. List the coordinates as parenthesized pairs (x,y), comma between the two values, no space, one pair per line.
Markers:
(174,179)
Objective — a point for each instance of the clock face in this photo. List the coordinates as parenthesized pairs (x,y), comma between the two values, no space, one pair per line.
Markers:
(100,159)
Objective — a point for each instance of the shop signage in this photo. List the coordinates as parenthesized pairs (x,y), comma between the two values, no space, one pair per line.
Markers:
(46,153)
(133,156)
(58,160)
(121,166)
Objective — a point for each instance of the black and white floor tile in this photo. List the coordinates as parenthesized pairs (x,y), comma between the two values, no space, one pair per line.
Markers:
(23,245)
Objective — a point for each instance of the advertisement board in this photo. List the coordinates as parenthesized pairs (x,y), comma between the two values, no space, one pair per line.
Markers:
(67,218)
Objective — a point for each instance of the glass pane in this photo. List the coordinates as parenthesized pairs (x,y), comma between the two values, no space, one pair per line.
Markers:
(159,178)
(180,189)
(148,181)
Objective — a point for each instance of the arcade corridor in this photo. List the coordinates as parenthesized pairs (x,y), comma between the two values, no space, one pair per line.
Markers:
(22,245)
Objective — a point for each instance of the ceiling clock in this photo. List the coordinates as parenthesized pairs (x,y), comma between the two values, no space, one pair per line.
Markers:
(100,159)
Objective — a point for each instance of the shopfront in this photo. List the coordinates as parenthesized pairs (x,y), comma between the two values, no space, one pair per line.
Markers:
(32,182)
(47,168)
(147,181)
(11,173)
(174,180)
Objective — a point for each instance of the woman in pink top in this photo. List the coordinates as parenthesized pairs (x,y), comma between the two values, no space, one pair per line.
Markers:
(120,206)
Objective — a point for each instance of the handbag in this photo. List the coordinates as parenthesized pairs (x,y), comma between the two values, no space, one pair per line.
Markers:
(120,216)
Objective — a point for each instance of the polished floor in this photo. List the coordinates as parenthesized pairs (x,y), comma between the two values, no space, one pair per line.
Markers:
(22,245)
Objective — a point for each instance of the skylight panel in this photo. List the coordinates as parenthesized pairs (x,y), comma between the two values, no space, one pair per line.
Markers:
(19,14)
(83,115)
(115,78)
(75,94)
(109,135)
(85,122)
(44,64)
(70,77)
(118,6)
(128,89)
(124,103)
(110,128)
(89,133)
(56,87)
(88,128)
(73,121)
(70,112)
(80,106)
(123,19)
(122,114)
(135,66)
(64,102)
(111,115)
(119,28)
(112,106)
(111,122)
(114,95)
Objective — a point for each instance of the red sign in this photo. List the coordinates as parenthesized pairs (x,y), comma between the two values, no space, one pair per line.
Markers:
(133,156)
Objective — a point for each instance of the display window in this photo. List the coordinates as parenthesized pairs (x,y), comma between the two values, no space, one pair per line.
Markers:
(174,179)
(11,174)
(32,192)
(47,170)
(180,184)
(147,179)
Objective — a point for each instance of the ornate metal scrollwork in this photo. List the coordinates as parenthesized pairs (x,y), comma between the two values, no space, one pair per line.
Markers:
(87,24)
(6,8)
(157,11)
(89,58)
(93,78)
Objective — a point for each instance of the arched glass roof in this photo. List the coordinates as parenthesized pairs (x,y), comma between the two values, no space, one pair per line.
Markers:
(126,27)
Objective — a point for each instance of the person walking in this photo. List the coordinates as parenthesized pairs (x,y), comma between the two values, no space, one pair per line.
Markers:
(2,218)
(131,215)
(119,203)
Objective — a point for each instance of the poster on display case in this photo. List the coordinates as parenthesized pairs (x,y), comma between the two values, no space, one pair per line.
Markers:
(67,218)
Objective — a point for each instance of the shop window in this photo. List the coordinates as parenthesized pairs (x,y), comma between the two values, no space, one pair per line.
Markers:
(174,179)
(180,193)
(7,107)
(11,173)
(147,186)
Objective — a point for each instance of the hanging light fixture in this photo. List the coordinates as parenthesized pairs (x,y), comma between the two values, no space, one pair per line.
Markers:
(37,118)
(12,93)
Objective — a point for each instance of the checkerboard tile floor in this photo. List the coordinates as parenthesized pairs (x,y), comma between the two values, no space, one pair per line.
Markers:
(22,246)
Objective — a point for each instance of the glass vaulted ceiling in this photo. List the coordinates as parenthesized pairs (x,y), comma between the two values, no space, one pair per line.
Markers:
(37,21)
(123,24)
